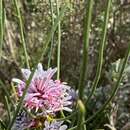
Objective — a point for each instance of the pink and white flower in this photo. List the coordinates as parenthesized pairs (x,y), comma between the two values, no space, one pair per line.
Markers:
(44,93)
(23,121)
(54,125)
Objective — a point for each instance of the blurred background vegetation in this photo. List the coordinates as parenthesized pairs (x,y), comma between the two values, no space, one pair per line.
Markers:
(37,22)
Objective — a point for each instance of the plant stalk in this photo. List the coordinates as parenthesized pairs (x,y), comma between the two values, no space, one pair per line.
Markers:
(87,24)
(101,50)
(21,32)
(59,42)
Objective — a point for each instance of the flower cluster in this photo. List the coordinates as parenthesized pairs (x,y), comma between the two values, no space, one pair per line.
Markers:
(22,122)
(45,94)
(54,125)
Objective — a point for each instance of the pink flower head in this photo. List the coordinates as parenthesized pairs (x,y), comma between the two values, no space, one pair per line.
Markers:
(44,93)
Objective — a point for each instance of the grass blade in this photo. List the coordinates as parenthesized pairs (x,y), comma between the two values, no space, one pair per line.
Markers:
(101,49)
(2,124)
(21,31)
(52,37)
(87,23)
(59,42)
(1,26)
(8,108)
(81,115)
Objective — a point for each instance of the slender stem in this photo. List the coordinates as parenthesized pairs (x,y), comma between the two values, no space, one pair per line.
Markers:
(52,37)
(101,49)
(21,32)
(67,117)
(73,128)
(43,51)
(8,107)
(2,124)
(58,49)
(87,23)
(81,115)
(59,42)
(1,26)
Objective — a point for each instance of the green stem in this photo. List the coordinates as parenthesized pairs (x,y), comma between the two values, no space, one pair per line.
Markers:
(2,124)
(101,49)
(52,37)
(43,51)
(59,42)
(81,116)
(73,128)
(67,117)
(58,49)
(1,27)
(21,31)
(87,23)
(8,108)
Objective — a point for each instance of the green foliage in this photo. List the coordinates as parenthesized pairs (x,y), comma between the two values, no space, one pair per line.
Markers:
(39,38)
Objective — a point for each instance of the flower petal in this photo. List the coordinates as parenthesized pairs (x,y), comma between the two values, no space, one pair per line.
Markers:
(17,80)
